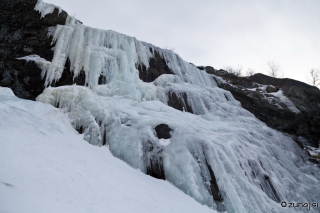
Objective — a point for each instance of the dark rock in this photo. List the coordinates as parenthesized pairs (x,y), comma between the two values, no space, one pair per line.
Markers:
(214,188)
(272,193)
(179,102)
(163,131)
(154,161)
(233,79)
(315,161)
(305,97)
(270,89)
(157,67)
(80,129)
(156,169)
(67,77)
(6,79)
(211,70)
(208,176)
(258,173)
(278,82)
(28,50)
(23,32)
(153,153)
(200,67)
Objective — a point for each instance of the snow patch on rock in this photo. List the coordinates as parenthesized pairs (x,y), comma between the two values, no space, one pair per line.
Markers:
(283,99)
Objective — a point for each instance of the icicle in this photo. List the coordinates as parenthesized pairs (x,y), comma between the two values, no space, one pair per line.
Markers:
(45,8)
(42,63)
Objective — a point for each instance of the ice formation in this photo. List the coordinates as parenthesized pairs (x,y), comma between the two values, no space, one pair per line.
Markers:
(45,8)
(42,63)
(46,166)
(220,154)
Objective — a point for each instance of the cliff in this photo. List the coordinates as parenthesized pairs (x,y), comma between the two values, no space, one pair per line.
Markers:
(267,98)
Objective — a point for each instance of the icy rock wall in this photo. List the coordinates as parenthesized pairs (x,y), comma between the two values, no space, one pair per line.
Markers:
(221,155)
(45,8)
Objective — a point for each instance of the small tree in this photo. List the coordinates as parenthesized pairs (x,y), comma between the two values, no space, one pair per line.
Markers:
(235,71)
(275,70)
(315,77)
(250,72)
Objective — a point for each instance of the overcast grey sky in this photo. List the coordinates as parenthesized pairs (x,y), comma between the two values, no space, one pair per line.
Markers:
(216,33)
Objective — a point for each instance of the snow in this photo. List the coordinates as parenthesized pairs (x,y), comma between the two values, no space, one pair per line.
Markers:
(45,8)
(278,98)
(46,166)
(283,99)
(313,151)
(164,142)
(6,92)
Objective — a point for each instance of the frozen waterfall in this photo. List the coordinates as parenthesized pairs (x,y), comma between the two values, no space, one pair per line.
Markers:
(218,153)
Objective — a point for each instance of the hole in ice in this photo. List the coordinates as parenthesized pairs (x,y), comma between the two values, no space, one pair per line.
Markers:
(80,130)
(163,131)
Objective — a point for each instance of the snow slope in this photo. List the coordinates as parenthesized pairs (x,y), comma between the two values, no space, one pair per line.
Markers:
(46,166)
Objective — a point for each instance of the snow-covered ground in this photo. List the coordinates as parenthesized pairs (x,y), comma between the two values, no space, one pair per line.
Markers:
(46,166)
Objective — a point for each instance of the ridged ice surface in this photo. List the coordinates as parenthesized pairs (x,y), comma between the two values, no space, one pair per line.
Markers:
(255,167)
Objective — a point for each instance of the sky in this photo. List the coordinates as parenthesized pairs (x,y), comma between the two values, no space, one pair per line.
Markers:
(246,33)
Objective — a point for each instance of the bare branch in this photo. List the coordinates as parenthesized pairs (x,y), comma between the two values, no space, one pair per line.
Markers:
(315,77)
(236,71)
(275,70)
(250,72)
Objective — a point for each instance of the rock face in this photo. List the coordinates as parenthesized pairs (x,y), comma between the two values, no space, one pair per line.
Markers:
(157,67)
(179,102)
(263,104)
(24,33)
(154,161)
(283,82)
